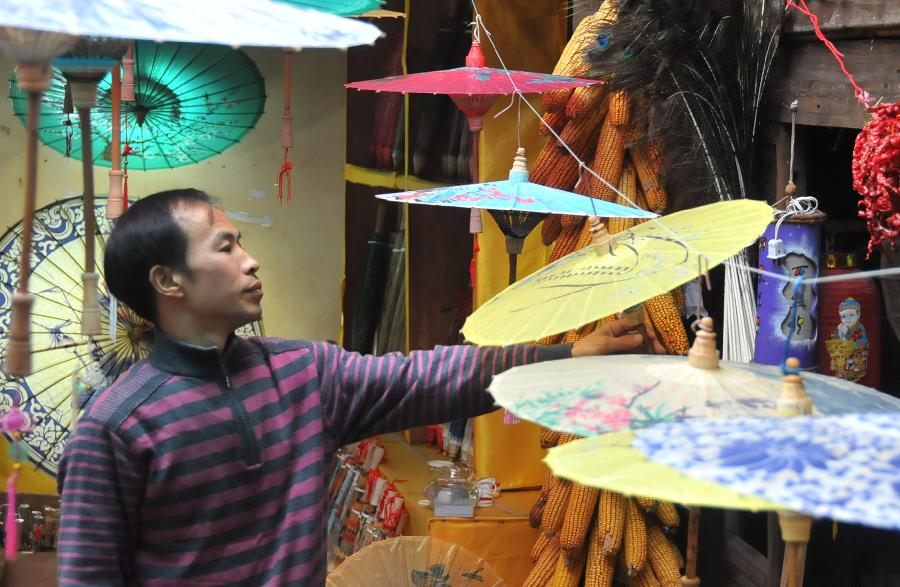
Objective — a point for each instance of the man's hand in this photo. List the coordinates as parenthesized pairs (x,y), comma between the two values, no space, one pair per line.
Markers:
(615,338)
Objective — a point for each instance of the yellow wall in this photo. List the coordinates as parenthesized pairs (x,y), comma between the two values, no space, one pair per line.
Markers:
(302,254)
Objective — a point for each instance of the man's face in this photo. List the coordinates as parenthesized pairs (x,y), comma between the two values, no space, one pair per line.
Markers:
(222,288)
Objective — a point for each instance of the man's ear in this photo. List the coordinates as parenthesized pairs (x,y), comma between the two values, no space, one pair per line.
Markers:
(165,281)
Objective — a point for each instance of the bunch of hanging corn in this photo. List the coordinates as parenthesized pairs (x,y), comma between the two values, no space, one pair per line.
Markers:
(590,535)
(585,533)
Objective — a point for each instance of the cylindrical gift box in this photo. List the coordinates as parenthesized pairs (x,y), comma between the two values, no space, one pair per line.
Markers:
(850,326)
(801,236)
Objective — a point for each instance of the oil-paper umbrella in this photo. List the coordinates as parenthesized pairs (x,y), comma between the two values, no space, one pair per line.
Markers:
(846,468)
(621,272)
(340,7)
(191,102)
(474,89)
(509,200)
(414,560)
(34,33)
(588,396)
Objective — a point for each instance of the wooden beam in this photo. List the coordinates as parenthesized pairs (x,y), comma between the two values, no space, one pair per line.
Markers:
(847,15)
(806,71)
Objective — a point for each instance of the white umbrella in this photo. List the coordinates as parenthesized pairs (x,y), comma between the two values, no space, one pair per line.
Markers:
(259,23)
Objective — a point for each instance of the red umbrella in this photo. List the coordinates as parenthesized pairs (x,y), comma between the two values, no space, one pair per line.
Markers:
(474,88)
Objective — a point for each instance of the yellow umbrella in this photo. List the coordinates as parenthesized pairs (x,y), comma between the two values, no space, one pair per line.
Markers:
(419,561)
(611,462)
(618,272)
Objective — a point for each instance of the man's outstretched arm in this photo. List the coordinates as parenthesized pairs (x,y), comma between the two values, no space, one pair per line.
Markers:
(364,395)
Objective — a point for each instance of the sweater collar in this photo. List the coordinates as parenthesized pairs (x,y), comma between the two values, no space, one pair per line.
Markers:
(175,356)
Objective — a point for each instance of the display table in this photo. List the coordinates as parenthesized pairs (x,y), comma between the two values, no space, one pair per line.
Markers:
(500,534)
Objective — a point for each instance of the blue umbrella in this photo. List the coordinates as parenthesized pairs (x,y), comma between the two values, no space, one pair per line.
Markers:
(846,468)
(517,204)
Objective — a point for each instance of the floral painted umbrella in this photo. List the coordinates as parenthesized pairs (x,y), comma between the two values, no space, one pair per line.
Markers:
(45,397)
(509,200)
(587,396)
(191,102)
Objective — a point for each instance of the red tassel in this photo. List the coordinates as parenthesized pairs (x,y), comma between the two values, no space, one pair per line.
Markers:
(125,153)
(284,177)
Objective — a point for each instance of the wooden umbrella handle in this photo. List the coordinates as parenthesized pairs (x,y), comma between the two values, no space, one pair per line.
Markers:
(90,307)
(18,350)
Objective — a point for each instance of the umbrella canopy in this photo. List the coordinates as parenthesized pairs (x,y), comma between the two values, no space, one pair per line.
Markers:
(414,560)
(45,396)
(516,194)
(596,395)
(846,468)
(340,7)
(612,462)
(261,23)
(632,267)
(191,102)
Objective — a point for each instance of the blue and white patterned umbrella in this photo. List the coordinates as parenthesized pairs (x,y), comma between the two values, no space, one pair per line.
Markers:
(260,23)
(846,468)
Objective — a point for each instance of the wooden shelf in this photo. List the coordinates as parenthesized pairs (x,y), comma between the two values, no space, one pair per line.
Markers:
(380,178)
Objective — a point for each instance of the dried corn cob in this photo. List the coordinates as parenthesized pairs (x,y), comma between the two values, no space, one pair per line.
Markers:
(678,296)
(579,513)
(554,168)
(666,319)
(663,558)
(635,540)
(540,544)
(565,438)
(647,504)
(580,132)
(549,437)
(573,61)
(600,567)
(555,508)
(537,510)
(550,229)
(569,568)
(611,522)
(542,571)
(619,110)
(667,515)
(647,168)
(608,161)
(628,186)
(644,578)
(584,100)
(555,120)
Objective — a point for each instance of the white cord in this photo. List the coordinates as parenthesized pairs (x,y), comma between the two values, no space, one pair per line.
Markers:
(800,205)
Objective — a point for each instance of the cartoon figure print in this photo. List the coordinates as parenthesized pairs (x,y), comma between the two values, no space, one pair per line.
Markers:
(849,345)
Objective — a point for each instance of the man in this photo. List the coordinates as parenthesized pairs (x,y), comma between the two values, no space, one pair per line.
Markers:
(206,464)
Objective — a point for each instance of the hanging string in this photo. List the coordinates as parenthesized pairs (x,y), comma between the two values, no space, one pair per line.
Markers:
(68,109)
(837,278)
(862,96)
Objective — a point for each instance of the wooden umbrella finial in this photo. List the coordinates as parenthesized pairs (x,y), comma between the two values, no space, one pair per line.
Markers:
(703,353)
(793,400)
(603,241)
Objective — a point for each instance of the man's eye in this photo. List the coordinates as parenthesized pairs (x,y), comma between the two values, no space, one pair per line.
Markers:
(225,249)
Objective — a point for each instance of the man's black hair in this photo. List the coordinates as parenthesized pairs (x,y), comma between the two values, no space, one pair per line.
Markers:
(147,234)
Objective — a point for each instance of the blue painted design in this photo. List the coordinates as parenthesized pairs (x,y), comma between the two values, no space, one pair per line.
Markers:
(846,468)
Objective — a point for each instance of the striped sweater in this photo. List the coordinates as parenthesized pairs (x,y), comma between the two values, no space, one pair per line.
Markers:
(201,467)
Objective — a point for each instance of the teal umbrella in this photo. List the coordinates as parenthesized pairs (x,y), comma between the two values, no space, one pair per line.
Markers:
(191,103)
(339,7)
